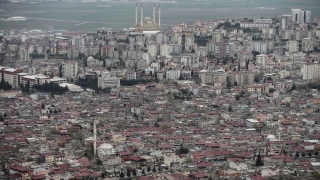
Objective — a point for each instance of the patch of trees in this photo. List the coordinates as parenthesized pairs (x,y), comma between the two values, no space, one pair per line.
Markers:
(37,56)
(51,87)
(201,41)
(249,30)
(228,25)
(258,76)
(133,82)
(5,85)
(88,83)
(182,150)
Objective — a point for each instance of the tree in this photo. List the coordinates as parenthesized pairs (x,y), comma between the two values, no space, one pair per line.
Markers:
(5,114)
(52,94)
(310,154)
(148,169)
(154,169)
(42,106)
(143,172)
(60,71)
(303,154)
(121,174)
(128,173)
(188,160)
(156,124)
(259,161)
(55,111)
(297,154)
(99,162)
(1,118)
(230,108)
(316,153)
(237,97)
(134,173)
(181,77)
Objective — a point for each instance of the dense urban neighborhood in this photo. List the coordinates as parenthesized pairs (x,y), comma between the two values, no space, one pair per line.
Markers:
(225,99)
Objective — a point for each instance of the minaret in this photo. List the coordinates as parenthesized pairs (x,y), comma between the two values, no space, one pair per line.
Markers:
(94,138)
(154,13)
(159,15)
(136,13)
(141,15)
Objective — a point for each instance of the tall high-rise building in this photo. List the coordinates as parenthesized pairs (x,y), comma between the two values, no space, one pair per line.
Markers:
(300,16)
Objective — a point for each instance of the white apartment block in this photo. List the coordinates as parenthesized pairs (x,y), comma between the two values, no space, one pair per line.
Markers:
(152,49)
(164,50)
(11,76)
(307,44)
(292,46)
(70,69)
(262,59)
(311,71)
(173,74)
(217,36)
(254,25)
(269,21)
(260,47)
(108,82)
(300,16)
(190,61)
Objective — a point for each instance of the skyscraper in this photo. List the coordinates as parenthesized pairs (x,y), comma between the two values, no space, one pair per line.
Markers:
(295,15)
(300,16)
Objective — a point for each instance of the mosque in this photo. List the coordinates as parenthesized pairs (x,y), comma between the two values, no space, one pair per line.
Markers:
(148,25)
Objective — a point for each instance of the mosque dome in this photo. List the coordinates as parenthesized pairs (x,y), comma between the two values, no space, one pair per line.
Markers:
(105,146)
(270,136)
(90,58)
(147,20)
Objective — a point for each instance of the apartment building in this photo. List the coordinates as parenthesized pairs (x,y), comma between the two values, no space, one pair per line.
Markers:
(70,69)
(310,71)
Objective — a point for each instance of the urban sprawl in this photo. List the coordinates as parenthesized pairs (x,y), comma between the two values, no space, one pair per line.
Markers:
(225,99)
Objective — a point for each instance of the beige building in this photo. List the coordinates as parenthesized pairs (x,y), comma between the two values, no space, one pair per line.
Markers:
(257,88)
(108,82)
(307,44)
(241,78)
(70,69)
(292,46)
(171,158)
(310,71)
(118,138)
(217,79)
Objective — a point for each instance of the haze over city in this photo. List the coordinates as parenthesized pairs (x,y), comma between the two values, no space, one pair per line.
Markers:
(154,90)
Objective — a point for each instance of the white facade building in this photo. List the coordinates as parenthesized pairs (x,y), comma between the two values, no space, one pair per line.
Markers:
(262,59)
(70,69)
(108,81)
(173,74)
(292,46)
(260,47)
(164,50)
(152,50)
(311,71)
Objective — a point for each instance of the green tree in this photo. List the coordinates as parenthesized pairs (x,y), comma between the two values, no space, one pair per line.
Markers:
(42,106)
(258,161)
(230,108)
(121,175)
(128,173)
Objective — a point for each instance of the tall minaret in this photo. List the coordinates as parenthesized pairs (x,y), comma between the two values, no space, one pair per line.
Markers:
(94,138)
(141,15)
(159,15)
(154,13)
(136,13)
